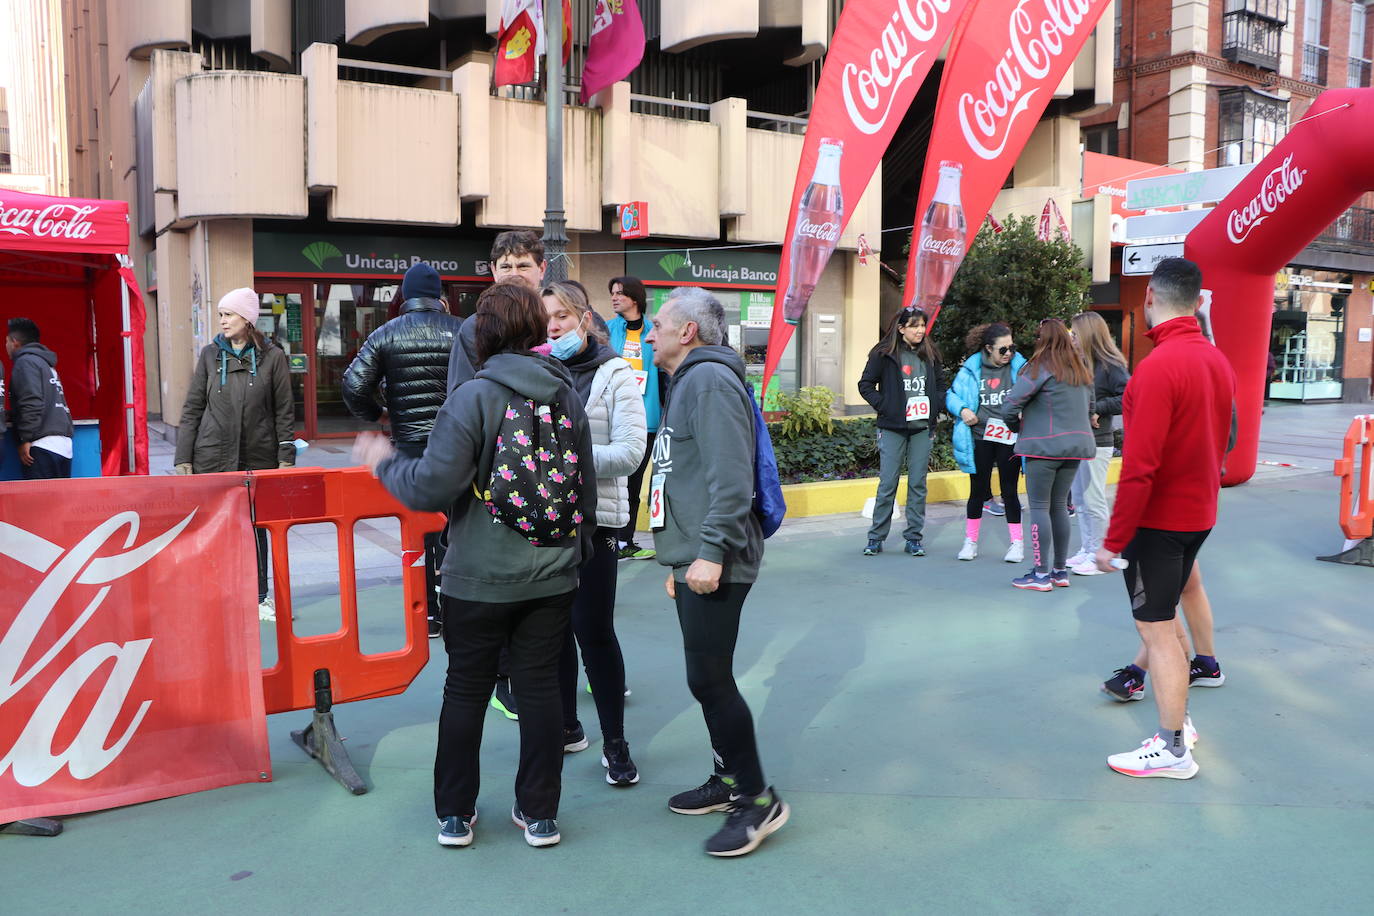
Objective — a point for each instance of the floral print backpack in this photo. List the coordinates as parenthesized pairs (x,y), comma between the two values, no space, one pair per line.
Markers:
(536,475)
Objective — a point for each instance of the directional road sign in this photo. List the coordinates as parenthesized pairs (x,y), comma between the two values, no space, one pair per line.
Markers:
(1160,225)
(1141,260)
(1184,188)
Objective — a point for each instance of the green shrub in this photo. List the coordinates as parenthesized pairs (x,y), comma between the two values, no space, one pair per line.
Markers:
(849,451)
(808,412)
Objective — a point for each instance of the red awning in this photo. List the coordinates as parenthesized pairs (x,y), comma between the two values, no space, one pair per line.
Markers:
(34,222)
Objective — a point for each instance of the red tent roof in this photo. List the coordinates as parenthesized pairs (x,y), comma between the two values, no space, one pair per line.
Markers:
(34,222)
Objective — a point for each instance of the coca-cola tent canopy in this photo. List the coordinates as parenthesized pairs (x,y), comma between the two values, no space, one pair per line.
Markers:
(64,263)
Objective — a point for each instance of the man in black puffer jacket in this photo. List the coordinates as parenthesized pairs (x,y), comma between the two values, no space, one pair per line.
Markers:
(404,365)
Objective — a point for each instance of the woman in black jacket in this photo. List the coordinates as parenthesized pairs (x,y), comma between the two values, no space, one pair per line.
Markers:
(903,383)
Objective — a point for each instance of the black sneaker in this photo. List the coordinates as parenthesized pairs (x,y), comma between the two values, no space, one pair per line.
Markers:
(715,794)
(751,821)
(1199,675)
(1125,684)
(620,769)
(874,548)
(915,548)
(537,833)
(574,739)
(503,701)
(456,831)
(435,628)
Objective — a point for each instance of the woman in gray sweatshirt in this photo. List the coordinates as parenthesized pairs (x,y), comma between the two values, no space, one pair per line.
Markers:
(1052,398)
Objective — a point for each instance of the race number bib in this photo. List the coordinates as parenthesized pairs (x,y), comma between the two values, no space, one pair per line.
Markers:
(641,380)
(633,350)
(997,431)
(917,408)
(657,505)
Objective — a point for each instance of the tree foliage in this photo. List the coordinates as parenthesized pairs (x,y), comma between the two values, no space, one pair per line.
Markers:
(1012,277)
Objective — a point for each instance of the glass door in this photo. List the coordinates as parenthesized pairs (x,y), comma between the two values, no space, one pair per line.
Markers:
(344,315)
(285,314)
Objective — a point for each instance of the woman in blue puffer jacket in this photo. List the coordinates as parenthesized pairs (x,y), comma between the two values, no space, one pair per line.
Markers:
(982,441)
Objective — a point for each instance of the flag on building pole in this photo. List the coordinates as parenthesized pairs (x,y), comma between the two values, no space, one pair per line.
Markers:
(616,45)
(520,41)
(1051,219)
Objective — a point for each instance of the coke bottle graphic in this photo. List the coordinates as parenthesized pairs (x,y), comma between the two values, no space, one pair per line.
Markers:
(941,248)
(817,230)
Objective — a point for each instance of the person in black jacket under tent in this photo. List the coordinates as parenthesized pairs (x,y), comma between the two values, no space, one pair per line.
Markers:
(903,383)
(403,368)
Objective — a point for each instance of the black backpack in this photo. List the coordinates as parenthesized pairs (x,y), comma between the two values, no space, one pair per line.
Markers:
(536,474)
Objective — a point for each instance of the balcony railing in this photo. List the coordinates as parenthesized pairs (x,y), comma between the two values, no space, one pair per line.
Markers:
(1352,229)
(1357,76)
(1249,38)
(1314,64)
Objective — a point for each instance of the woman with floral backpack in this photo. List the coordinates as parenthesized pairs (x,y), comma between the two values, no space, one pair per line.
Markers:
(510,458)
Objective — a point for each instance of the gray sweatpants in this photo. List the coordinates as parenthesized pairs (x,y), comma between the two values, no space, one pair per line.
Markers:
(896,450)
(1047,487)
(1090,496)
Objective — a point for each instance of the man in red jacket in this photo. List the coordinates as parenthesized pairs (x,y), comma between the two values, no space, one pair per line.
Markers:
(1178,409)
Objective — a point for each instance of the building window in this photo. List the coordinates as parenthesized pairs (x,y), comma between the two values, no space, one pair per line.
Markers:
(1116,33)
(5,164)
(1357,77)
(1252,30)
(1100,139)
(1250,125)
(1314,53)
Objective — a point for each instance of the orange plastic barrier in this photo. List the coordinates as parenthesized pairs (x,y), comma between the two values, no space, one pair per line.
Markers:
(287,497)
(1357,483)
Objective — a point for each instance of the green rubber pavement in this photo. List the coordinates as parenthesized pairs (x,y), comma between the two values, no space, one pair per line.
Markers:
(939,735)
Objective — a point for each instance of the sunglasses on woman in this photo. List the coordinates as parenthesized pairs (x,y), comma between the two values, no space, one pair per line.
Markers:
(1003,351)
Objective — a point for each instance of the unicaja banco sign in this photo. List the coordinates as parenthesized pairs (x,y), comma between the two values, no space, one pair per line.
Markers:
(740,267)
(343,255)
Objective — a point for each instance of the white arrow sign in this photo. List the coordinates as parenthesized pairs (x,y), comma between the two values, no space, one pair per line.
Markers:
(1162,225)
(1141,260)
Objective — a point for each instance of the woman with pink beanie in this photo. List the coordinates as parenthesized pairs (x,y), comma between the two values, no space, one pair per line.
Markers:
(239,413)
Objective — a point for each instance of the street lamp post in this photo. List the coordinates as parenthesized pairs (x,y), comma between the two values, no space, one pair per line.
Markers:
(555,219)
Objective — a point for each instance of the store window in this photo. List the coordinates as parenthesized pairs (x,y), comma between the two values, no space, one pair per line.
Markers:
(1250,125)
(1308,336)
(1100,139)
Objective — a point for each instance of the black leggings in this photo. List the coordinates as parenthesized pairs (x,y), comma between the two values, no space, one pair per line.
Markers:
(593,625)
(636,484)
(710,627)
(986,456)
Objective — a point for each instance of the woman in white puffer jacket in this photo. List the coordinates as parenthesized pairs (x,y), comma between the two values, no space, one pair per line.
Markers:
(615,412)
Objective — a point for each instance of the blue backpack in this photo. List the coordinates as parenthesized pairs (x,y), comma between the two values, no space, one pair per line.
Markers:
(769,505)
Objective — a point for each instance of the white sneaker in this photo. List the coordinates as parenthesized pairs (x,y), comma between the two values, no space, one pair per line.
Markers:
(1077,558)
(1189,733)
(969,550)
(267,611)
(1016,553)
(1153,759)
(1087,568)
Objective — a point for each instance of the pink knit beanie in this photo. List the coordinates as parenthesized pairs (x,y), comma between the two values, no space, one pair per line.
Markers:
(242,301)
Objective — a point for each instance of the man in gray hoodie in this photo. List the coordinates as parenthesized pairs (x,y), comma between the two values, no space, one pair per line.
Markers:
(705,530)
(42,421)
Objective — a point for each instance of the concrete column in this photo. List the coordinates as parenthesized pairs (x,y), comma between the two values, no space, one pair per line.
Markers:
(730,115)
(320,67)
(861,307)
(617,137)
(175,351)
(470,82)
(1188,118)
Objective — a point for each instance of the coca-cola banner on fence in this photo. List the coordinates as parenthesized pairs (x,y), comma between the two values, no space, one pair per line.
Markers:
(129,655)
(880,54)
(1005,61)
(32,222)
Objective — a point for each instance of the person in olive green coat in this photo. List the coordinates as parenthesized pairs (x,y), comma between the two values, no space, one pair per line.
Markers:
(239,413)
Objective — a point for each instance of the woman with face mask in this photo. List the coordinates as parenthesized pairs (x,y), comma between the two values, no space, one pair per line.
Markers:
(982,440)
(902,382)
(615,412)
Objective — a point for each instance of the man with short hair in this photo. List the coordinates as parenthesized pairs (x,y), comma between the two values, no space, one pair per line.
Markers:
(42,420)
(403,365)
(705,530)
(628,335)
(1178,408)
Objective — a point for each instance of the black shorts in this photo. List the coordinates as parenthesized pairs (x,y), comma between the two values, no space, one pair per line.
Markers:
(1160,564)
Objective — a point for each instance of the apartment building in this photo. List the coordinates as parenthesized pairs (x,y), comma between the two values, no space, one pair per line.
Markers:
(315,149)
(1203,85)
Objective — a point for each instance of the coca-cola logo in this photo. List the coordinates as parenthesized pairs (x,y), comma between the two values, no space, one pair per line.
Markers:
(1277,187)
(950,247)
(1035,39)
(869,91)
(56,221)
(828,231)
(32,758)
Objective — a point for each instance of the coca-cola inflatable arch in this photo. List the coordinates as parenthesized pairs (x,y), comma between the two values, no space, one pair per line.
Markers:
(1322,167)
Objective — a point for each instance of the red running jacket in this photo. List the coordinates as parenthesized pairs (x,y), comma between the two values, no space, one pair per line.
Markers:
(1177,415)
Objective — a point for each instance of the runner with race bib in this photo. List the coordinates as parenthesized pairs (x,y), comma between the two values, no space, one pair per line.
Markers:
(901,381)
(983,442)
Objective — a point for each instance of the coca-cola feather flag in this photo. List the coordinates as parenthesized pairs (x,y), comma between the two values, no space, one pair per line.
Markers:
(616,45)
(999,77)
(880,54)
